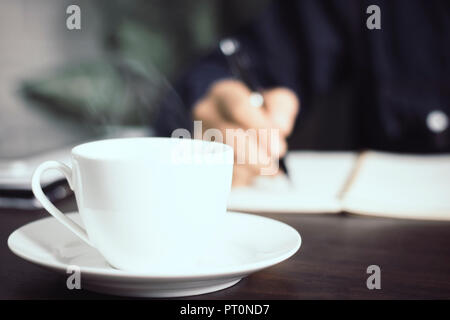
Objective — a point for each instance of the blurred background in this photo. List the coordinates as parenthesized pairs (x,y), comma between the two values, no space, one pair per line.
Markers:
(59,86)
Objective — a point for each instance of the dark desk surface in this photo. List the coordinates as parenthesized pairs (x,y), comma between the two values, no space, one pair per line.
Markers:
(414,257)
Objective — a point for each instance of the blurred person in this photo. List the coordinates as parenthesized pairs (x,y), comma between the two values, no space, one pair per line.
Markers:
(303,52)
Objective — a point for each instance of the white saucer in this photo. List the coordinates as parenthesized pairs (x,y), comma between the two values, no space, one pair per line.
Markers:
(250,243)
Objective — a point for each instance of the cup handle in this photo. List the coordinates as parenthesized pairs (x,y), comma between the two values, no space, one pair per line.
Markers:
(39,194)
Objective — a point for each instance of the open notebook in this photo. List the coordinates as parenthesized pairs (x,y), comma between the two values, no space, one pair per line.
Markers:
(369,183)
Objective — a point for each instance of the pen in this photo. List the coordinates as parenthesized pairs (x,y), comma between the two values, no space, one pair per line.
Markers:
(239,64)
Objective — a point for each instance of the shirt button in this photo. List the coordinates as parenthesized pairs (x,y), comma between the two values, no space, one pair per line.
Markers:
(437,121)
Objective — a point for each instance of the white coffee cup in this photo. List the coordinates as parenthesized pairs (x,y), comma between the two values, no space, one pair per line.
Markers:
(146,203)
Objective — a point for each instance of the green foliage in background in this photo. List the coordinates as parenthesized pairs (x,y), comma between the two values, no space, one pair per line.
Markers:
(104,92)
(147,45)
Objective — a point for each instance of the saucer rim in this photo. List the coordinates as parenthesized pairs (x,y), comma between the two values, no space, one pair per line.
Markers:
(224,272)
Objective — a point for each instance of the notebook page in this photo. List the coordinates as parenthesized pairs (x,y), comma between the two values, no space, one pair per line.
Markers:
(403,186)
(315,181)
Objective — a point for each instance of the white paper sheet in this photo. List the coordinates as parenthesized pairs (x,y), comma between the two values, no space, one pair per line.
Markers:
(402,186)
(316,178)
(16,174)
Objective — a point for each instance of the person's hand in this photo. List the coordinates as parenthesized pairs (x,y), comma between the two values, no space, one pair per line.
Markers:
(226,107)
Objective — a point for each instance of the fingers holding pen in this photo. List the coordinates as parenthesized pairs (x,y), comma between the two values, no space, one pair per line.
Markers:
(282,106)
(233,101)
(257,135)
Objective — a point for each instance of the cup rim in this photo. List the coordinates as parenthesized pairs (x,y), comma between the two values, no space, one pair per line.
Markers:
(80,151)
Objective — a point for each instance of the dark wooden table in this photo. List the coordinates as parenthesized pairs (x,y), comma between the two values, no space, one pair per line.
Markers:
(414,257)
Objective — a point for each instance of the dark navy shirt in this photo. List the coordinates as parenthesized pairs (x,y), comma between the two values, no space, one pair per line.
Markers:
(395,81)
